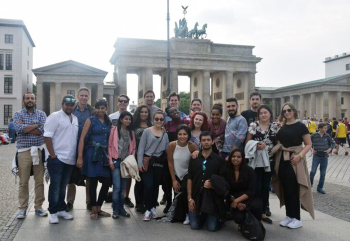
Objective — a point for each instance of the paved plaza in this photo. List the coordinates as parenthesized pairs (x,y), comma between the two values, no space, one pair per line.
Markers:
(332,216)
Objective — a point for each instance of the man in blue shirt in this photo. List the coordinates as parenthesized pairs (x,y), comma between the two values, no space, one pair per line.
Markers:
(12,131)
(82,110)
(174,101)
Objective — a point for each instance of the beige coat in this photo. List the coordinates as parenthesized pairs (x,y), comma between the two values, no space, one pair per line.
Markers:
(302,174)
(129,168)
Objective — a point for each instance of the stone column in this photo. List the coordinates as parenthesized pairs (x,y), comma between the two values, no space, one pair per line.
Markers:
(148,80)
(58,96)
(111,104)
(206,91)
(229,84)
(313,105)
(325,98)
(291,99)
(251,81)
(338,104)
(100,91)
(121,81)
(274,107)
(174,80)
(39,96)
(302,107)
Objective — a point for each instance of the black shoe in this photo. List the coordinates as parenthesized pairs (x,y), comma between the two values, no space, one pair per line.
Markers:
(140,209)
(157,204)
(69,206)
(88,206)
(166,209)
(124,213)
(267,220)
(163,201)
(127,202)
(268,213)
(115,216)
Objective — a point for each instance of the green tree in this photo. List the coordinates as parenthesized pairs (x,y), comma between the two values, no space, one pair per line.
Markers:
(185,102)
(157,103)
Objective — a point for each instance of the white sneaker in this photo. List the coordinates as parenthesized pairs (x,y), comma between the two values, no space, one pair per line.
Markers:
(65,215)
(286,221)
(295,224)
(147,216)
(53,218)
(187,220)
(154,213)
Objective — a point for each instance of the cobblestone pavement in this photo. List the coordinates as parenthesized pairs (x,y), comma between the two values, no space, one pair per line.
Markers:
(9,225)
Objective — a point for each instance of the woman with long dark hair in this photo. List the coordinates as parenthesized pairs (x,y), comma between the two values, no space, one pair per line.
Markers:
(93,157)
(198,123)
(241,179)
(151,157)
(179,156)
(122,143)
(291,180)
(217,126)
(142,120)
(260,140)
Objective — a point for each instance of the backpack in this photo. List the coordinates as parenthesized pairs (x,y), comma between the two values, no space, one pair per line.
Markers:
(252,229)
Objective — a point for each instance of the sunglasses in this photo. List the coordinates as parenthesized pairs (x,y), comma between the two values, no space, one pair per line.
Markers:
(203,165)
(69,100)
(159,119)
(285,111)
(123,101)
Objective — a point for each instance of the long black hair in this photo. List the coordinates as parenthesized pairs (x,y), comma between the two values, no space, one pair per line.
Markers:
(103,102)
(130,127)
(242,168)
(186,129)
(137,117)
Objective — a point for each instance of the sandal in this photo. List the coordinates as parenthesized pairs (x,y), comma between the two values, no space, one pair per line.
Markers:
(94,213)
(102,213)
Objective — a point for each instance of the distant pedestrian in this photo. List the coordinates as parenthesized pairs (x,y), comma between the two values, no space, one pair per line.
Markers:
(322,145)
(340,140)
(12,131)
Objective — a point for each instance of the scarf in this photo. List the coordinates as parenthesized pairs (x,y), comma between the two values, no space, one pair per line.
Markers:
(126,142)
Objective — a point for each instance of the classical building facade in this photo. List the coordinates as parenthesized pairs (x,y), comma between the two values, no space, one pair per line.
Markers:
(328,97)
(337,65)
(16,61)
(57,80)
(216,71)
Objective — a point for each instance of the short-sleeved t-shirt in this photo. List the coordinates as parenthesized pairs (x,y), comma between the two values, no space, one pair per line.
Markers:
(341,130)
(312,127)
(292,135)
(250,116)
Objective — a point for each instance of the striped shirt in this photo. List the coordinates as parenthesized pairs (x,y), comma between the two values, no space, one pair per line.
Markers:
(321,143)
(21,120)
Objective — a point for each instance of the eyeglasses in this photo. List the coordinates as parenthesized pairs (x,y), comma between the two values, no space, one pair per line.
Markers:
(203,165)
(69,100)
(159,119)
(123,101)
(285,111)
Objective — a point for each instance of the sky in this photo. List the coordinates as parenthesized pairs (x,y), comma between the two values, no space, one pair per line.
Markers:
(293,37)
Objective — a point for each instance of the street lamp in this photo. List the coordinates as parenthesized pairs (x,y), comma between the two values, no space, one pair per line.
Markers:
(168,53)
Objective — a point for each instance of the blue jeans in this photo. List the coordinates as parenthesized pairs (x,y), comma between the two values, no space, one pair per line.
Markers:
(119,185)
(12,135)
(323,162)
(59,177)
(197,221)
(151,181)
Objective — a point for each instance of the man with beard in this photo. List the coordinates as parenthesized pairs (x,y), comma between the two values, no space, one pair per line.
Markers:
(29,124)
(200,171)
(236,128)
(82,110)
(149,99)
(61,138)
(252,114)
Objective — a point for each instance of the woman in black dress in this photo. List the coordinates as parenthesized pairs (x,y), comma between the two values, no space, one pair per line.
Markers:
(296,143)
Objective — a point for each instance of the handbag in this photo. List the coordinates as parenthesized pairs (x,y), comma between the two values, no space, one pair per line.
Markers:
(252,229)
(147,159)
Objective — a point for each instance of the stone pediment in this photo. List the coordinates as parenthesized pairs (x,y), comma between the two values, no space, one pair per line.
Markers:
(69,67)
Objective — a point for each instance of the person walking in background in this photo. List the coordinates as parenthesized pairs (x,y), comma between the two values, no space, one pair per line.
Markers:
(322,145)
(340,138)
(93,157)
(12,131)
(312,127)
(217,126)
(61,134)
(29,125)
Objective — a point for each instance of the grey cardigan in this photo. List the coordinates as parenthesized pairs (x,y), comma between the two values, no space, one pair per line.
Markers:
(148,144)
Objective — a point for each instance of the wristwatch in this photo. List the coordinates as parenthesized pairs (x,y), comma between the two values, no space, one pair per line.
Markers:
(301,156)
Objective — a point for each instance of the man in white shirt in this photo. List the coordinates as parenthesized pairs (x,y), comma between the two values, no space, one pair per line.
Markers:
(61,133)
(122,103)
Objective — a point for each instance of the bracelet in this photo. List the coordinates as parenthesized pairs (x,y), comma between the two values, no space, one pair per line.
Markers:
(190,200)
(301,156)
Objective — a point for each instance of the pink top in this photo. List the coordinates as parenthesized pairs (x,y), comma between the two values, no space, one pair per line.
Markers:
(113,151)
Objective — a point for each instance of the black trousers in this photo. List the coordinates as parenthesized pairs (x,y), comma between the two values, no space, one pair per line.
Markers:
(105,181)
(262,185)
(290,189)
(138,191)
(254,206)
(167,185)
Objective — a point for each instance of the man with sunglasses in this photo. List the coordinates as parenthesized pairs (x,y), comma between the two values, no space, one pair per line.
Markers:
(61,138)
(200,171)
(122,103)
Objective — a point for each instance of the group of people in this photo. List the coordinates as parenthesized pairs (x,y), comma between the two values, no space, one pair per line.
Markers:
(217,169)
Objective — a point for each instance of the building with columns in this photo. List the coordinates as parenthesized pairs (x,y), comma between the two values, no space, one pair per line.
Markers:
(16,62)
(328,97)
(337,65)
(216,71)
(57,80)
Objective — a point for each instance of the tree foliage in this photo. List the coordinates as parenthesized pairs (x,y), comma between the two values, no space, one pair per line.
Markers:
(184,104)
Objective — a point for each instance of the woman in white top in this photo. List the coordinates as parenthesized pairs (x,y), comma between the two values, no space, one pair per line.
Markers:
(179,155)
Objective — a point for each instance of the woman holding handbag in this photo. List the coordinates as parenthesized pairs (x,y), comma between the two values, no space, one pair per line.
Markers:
(151,156)
(122,143)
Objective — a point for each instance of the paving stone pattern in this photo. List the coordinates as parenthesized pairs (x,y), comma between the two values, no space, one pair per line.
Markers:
(9,225)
